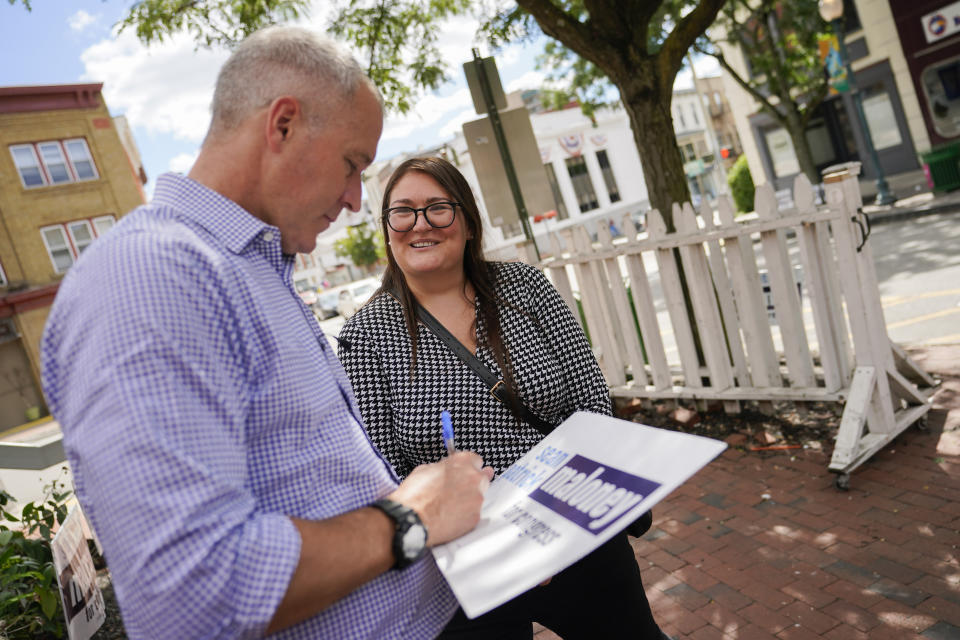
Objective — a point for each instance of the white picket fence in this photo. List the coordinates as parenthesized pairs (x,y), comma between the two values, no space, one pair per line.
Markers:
(747,354)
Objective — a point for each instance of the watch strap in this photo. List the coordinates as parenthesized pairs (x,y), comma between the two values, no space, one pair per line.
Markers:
(404,519)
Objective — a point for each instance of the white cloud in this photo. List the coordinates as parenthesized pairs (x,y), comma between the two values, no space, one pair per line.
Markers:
(181,163)
(529,80)
(457,39)
(80,20)
(455,124)
(163,89)
(706,67)
(428,112)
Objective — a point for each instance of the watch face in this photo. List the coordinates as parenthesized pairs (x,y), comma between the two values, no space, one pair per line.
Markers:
(414,541)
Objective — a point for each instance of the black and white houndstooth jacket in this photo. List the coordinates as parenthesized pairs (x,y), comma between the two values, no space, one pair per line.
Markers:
(555,371)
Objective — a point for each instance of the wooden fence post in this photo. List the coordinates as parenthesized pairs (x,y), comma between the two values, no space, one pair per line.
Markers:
(784,290)
(673,294)
(704,301)
(645,307)
(827,312)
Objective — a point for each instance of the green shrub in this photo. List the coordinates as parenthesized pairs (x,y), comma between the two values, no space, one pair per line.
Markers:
(741,184)
(583,319)
(29,596)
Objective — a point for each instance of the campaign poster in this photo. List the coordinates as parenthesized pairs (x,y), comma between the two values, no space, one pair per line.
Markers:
(82,601)
(576,489)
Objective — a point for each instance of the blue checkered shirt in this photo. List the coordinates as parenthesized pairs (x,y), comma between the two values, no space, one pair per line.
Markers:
(201,405)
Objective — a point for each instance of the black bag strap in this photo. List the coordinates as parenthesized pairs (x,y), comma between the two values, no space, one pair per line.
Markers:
(497,387)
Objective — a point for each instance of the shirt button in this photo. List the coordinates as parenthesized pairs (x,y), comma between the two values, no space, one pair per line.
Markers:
(268,236)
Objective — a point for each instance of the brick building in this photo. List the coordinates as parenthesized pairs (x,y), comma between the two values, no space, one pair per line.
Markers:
(68,171)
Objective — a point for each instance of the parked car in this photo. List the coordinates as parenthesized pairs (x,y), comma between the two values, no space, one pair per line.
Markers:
(309,297)
(345,299)
(326,306)
(352,296)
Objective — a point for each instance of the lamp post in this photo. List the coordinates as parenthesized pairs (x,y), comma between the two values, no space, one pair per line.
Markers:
(832,11)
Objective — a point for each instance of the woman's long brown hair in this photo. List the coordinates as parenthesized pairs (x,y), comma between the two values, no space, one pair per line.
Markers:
(479,273)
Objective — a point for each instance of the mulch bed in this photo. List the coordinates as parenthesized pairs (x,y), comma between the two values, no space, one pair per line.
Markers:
(781,430)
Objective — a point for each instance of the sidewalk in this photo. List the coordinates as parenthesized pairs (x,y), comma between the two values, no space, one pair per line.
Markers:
(762,546)
(914,198)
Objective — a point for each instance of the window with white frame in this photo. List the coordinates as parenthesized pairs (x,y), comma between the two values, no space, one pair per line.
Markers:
(58,246)
(3,276)
(80,158)
(28,165)
(54,162)
(693,113)
(81,234)
(65,242)
(103,224)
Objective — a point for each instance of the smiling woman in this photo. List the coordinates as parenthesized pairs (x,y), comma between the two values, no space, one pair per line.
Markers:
(428,241)
(511,321)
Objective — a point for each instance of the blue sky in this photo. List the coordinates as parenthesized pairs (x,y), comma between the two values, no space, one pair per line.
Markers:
(165,90)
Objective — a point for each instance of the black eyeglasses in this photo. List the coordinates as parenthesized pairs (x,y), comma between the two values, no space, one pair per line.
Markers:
(438,215)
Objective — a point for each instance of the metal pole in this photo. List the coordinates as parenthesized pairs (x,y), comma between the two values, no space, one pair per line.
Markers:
(504,150)
(883,192)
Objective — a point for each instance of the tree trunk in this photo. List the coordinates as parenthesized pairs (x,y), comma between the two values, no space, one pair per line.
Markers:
(793,122)
(653,133)
(801,147)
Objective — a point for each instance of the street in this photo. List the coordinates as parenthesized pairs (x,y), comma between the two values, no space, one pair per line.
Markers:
(918,268)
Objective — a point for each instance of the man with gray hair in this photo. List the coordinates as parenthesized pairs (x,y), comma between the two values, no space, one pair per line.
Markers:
(214,439)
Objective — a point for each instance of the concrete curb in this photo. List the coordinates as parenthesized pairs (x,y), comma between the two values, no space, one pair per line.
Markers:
(886,216)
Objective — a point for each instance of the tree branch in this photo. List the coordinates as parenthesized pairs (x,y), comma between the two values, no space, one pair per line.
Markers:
(688,29)
(578,36)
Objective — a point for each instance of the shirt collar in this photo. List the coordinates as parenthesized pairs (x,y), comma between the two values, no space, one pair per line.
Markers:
(222,217)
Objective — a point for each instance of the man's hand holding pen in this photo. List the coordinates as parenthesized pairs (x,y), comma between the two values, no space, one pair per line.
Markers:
(447,495)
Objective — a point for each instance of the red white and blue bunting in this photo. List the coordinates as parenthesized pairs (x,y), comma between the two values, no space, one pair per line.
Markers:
(572,144)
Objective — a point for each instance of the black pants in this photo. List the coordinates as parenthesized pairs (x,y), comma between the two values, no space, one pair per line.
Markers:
(601,596)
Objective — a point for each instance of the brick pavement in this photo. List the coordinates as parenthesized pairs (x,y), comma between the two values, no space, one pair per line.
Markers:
(762,546)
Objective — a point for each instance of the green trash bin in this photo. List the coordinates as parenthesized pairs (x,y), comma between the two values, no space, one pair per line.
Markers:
(943,166)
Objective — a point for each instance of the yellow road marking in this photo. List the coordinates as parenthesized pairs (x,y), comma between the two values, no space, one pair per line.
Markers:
(895,300)
(923,318)
(944,339)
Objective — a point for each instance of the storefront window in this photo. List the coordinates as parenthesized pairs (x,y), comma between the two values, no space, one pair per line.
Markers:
(941,84)
(880,117)
(782,155)
(820,145)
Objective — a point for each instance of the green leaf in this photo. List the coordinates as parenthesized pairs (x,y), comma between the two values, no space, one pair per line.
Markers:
(5,537)
(49,602)
(49,574)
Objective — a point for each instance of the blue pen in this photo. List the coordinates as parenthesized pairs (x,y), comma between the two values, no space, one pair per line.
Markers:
(447,432)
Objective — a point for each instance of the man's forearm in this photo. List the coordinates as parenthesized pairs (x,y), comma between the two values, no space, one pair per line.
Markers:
(337,556)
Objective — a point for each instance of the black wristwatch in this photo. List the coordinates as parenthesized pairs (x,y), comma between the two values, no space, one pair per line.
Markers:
(410,538)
